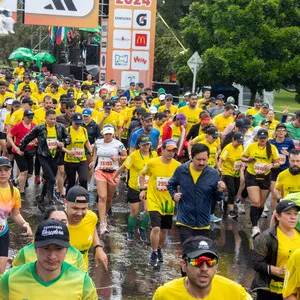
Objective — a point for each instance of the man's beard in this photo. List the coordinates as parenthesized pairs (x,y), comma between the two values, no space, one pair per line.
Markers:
(294,171)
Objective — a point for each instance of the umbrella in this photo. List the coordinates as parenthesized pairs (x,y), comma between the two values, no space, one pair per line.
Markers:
(93,70)
(45,56)
(25,50)
(91,29)
(19,55)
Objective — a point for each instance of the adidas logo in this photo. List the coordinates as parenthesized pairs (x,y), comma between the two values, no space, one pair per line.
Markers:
(58,4)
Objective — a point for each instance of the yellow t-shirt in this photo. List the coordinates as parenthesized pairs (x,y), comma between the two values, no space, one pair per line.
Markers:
(16,117)
(98,105)
(158,197)
(288,183)
(33,86)
(221,123)
(113,118)
(231,160)
(286,246)
(221,289)
(40,116)
(39,97)
(95,115)
(195,174)
(6,95)
(213,150)
(135,162)
(54,96)
(81,236)
(62,91)
(51,140)
(173,109)
(79,139)
(272,127)
(261,158)
(159,128)
(192,116)
(155,101)
(252,111)
(88,82)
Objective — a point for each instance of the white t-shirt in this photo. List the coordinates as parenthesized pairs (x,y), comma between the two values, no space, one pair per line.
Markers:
(3,113)
(105,151)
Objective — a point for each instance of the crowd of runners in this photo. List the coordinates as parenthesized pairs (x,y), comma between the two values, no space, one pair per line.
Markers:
(178,162)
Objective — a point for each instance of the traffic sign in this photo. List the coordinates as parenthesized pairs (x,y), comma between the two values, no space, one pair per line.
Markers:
(195,62)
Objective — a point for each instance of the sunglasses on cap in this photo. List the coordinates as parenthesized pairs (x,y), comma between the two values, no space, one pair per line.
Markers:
(198,261)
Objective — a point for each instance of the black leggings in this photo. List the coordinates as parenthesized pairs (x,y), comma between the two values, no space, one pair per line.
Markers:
(267,295)
(82,170)
(49,166)
(4,244)
(37,166)
(186,232)
(233,185)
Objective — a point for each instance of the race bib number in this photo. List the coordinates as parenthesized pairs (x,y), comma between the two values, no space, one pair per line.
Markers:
(297,144)
(3,225)
(259,168)
(237,165)
(161,183)
(105,163)
(282,159)
(146,181)
(78,152)
(52,144)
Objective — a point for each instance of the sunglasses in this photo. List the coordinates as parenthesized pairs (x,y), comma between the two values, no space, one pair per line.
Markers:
(27,91)
(281,129)
(198,261)
(168,100)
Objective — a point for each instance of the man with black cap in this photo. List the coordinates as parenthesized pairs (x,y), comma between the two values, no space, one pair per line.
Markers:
(219,108)
(66,118)
(82,225)
(61,108)
(200,262)
(53,93)
(135,122)
(63,88)
(147,127)
(27,81)
(49,276)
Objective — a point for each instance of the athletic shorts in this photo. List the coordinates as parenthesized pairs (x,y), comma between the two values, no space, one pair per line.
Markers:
(25,163)
(2,135)
(274,174)
(9,150)
(262,181)
(101,175)
(133,196)
(161,221)
(4,244)
(60,158)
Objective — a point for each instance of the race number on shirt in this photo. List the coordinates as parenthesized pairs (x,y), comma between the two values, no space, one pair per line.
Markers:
(237,165)
(282,159)
(297,144)
(260,168)
(161,183)
(2,225)
(105,163)
(78,152)
(52,144)
(146,181)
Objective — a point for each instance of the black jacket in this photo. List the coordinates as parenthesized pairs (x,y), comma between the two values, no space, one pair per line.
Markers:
(265,255)
(93,131)
(194,132)
(39,132)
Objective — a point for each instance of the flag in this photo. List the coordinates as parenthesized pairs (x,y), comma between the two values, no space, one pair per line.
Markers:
(61,35)
(52,31)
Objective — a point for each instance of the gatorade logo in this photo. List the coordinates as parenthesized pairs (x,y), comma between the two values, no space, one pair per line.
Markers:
(141,19)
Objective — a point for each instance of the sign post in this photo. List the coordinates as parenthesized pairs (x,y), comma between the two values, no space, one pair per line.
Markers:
(195,62)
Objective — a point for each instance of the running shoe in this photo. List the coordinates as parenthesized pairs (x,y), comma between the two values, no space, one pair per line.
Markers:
(37,179)
(264,215)
(130,236)
(255,231)
(153,259)
(110,213)
(103,228)
(143,234)
(215,219)
(241,208)
(23,196)
(266,209)
(160,255)
(232,214)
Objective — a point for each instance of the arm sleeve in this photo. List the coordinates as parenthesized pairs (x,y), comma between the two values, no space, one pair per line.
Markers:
(283,118)
(173,183)
(133,139)
(31,135)
(66,136)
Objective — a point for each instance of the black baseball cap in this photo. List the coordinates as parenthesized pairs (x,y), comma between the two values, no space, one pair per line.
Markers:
(140,111)
(285,205)
(198,245)
(64,98)
(28,113)
(280,125)
(241,125)
(16,103)
(27,100)
(262,133)
(265,105)
(107,104)
(212,99)
(239,137)
(77,118)
(265,121)
(76,191)
(146,116)
(5,162)
(144,140)
(213,131)
(220,97)
(52,232)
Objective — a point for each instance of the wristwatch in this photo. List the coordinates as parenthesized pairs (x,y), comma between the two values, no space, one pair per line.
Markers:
(98,246)
(143,189)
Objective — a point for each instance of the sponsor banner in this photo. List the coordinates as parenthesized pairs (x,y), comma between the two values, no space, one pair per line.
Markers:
(130,41)
(71,13)
(11,5)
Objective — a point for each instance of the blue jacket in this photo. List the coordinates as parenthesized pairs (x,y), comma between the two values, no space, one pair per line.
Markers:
(195,204)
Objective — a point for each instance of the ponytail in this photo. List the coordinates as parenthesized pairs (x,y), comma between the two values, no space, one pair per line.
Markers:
(269,150)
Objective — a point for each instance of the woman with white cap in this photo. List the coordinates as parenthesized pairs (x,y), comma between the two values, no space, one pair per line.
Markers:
(108,151)
(3,113)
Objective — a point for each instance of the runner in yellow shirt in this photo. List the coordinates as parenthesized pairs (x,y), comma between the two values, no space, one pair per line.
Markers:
(172,108)
(39,95)
(4,93)
(221,121)
(40,114)
(27,81)
(256,109)
(54,92)
(159,202)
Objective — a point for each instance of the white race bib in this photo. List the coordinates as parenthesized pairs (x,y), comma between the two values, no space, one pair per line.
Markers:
(3,225)
(78,152)
(52,144)
(282,159)
(105,163)
(161,183)
(146,181)
(297,144)
(259,168)
(237,165)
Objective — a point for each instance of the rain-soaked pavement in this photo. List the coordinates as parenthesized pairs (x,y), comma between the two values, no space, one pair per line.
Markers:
(129,276)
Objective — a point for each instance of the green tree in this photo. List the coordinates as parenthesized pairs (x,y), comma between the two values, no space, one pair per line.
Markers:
(251,42)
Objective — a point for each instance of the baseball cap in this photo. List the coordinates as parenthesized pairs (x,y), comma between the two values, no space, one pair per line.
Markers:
(265,105)
(146,116)
(77,118)
(153,109)
(132,83)
(285,205)
(64,98)
(76,191)
(265,122)
(78,85)
(28,113)
(257,99)
(4,162)
(230,99)
(71,95)
(181,118)
(8,101)
(239,137)
(169,144)
(113,81)
(162,97)
(52,232)
(161,91)
(213,131)
(186,94)
(86,112)
(198,245)
(140,85)
(281,125)
(262,133)
(205,120)
(212,99)
(81,102)
(16,103)
(241,125)
(168,96)
(250,117)
(26,87)
(220,97)
(108,128)
(145,140)
(27,100)
(107,104)
(140,110)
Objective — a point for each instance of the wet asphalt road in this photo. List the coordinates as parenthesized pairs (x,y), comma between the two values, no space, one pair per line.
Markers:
(129,276)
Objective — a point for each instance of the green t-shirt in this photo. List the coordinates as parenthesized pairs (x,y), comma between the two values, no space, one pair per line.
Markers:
(257,119)
(294,132)
(23,283)
(27,255)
